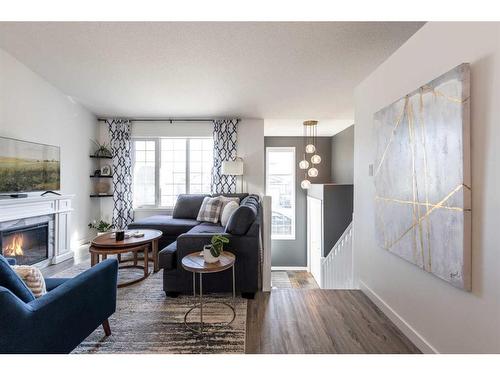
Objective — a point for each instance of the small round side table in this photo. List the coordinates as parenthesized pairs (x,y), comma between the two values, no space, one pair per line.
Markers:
(195,263)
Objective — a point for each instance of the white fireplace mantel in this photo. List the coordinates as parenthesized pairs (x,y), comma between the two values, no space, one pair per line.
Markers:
(57,205)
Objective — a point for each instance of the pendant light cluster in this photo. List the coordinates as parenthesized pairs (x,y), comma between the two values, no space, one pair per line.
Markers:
(311,157)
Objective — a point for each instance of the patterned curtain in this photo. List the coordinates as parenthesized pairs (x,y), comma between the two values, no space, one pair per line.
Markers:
(119,131)
(225,140)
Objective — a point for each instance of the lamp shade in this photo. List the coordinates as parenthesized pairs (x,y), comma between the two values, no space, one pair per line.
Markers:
(232,168)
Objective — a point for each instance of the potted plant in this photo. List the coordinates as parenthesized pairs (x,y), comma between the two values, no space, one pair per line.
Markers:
(212,252)
(101,226)
(103,149)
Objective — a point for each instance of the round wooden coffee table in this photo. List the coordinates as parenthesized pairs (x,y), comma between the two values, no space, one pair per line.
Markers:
(105,245)
(195,263)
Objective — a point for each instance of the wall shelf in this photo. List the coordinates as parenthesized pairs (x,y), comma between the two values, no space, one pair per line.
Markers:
(100,195)
(94,176)
(100,157)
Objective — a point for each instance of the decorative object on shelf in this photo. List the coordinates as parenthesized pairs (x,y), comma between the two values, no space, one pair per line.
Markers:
(105,170)
(310,147)
(97,172)
(422,177)
(233,168)
(212,252)
(103,150)
(101,226)
(102,187)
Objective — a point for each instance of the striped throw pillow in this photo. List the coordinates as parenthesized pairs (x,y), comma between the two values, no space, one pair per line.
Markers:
(33,279)
(210,210)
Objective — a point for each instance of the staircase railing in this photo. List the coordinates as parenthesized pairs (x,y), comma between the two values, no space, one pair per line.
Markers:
(336,267)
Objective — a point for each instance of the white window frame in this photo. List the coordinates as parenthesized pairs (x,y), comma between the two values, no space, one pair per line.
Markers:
(157,141)
(157,168)
(290,237)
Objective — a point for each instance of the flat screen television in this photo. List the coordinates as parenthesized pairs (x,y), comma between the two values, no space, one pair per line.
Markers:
(27,166)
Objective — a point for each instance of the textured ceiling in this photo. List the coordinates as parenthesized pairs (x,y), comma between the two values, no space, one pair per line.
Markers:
(197,69)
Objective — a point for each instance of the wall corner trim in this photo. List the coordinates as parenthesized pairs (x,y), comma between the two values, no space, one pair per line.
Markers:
(415,337)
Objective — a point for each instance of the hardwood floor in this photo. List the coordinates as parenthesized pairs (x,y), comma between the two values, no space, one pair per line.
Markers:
(80,255)
(293,280)
(320,321)
(298,319)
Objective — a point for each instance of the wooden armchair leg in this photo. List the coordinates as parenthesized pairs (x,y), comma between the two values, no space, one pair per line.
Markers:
(107,329)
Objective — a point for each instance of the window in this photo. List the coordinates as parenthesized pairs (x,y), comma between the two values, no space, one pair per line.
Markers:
(181,165)
(200,165)
(172,170)
(280,185)
(144,173)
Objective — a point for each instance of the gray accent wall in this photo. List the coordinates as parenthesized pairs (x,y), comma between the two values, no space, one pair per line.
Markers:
(342,156)
(293,253)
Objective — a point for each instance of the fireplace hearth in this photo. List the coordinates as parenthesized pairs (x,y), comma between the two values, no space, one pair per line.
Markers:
(28,244)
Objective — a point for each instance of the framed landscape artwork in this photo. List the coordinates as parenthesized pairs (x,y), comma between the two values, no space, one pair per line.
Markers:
(28,166)
(422,177)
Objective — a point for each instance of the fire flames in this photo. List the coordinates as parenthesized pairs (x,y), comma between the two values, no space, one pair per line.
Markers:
(15,247)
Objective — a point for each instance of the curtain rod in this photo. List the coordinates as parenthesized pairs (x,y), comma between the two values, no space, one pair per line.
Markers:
(171,120)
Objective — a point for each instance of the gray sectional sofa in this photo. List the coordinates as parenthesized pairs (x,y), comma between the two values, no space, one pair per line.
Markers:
(183,234)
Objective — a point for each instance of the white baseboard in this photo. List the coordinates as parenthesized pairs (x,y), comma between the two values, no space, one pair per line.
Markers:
(84,241)
(62,257)
(403,325)
(289,269)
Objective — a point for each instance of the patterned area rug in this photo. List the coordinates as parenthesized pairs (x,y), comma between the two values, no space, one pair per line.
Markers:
(146,321)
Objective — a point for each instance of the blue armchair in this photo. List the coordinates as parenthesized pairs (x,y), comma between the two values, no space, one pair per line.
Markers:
(61,319)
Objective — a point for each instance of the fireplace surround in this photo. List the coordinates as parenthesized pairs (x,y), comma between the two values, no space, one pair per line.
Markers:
(36,230)
(27,244)
(30,240)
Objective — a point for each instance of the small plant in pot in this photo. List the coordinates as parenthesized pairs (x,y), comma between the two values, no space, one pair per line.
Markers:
(212,252)
(101,226)
(103,149)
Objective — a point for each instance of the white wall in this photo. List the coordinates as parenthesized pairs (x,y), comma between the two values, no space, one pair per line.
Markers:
(33,110)
(442,317)
(250,148)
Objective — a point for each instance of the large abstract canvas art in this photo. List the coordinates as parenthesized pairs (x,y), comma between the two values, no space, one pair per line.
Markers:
(422,177)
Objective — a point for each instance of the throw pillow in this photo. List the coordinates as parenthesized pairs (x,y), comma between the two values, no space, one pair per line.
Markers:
(11,281)
(226,200)
(187,206)
(210,210)
(33,279)
(241,220)
(227,211)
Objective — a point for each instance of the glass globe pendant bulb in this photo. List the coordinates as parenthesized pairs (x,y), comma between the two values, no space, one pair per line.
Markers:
(305,184)
(304,164)
(316,159)
(313,172)
(310,148)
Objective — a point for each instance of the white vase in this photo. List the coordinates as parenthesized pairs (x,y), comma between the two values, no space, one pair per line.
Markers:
(207,255)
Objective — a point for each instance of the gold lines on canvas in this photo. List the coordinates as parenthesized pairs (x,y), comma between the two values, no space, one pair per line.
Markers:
(441,94)
(398,121)
(434,207)
(416,208)
(427,205)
